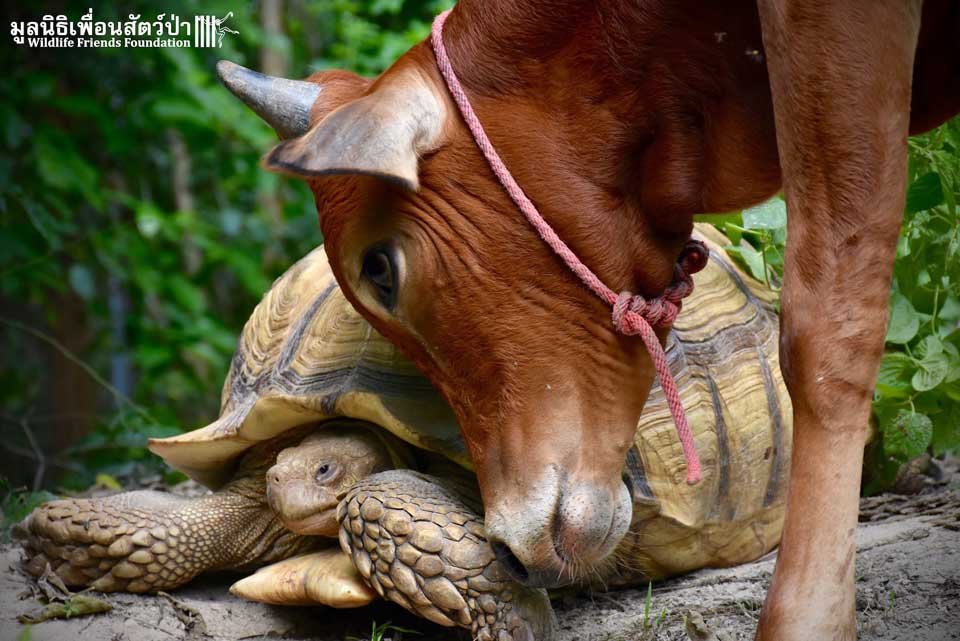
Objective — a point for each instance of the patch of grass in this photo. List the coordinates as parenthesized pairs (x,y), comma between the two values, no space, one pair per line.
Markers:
(380,632)
(650,624)
(646,606)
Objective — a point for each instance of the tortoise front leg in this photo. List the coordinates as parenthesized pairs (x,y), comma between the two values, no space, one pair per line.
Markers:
(419,544)
(840,75)
(147,541)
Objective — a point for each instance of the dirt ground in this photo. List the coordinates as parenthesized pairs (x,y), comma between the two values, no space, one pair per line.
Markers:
(908,588)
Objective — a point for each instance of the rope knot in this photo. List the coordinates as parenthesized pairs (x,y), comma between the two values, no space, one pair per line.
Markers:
(630,310)
(626,305)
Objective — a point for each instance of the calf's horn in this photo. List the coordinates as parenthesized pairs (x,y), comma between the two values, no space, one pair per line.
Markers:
(283,104)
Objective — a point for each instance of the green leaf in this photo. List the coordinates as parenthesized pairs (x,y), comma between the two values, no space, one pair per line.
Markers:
(949,198)
(953,245)
(893,381)
(769,215)
(926,192)
(946,430)
(932,369)
(751,258)
(880,471)
(951,390)
(907,435)
(930,346)
(950,310)
(903,247)
(953,360)
(904,321)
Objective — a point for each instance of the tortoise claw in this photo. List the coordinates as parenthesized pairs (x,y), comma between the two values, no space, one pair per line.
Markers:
(418,544)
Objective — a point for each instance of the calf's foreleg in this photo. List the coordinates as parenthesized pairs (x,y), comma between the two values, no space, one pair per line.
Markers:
(840,75)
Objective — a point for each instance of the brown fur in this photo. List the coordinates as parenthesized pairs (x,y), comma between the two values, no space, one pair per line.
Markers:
(621,120)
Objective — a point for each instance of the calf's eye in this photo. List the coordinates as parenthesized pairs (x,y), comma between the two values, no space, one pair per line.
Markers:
(379,268)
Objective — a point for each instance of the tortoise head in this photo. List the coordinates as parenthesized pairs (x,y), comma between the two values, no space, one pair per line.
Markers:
(433,253)
(309,479)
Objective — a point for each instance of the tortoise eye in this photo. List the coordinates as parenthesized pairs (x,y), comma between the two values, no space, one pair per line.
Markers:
(326,472)
(380,270)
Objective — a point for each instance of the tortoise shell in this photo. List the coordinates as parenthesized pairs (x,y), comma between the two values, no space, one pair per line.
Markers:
(306,355)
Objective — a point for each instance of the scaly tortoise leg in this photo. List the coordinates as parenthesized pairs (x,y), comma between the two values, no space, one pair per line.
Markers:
(146,541)
(419,543)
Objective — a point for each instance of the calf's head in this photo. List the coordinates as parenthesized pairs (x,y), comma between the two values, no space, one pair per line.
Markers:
(429,248)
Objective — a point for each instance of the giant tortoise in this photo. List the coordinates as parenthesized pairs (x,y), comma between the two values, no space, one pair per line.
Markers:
(322,417)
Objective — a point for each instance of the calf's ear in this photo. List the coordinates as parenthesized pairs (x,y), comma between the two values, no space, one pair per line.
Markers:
(381,134)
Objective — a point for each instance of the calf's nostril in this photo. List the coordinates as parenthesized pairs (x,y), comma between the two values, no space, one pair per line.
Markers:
(517,571)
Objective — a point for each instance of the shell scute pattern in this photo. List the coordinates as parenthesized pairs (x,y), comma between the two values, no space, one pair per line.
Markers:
(306,355)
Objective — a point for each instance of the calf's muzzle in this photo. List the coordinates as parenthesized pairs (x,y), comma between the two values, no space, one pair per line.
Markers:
(559,530)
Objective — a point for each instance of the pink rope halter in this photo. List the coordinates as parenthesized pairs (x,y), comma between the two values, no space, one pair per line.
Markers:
(632,315)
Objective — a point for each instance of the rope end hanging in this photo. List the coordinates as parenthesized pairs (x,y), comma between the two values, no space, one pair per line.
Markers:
(693,471)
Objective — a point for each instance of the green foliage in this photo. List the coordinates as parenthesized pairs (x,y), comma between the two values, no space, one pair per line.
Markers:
(758,235)
(906,435)
(385,632)
(142,276)
(917,394)
(16,505)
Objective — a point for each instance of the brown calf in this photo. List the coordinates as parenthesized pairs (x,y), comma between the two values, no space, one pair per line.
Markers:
(621,120)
